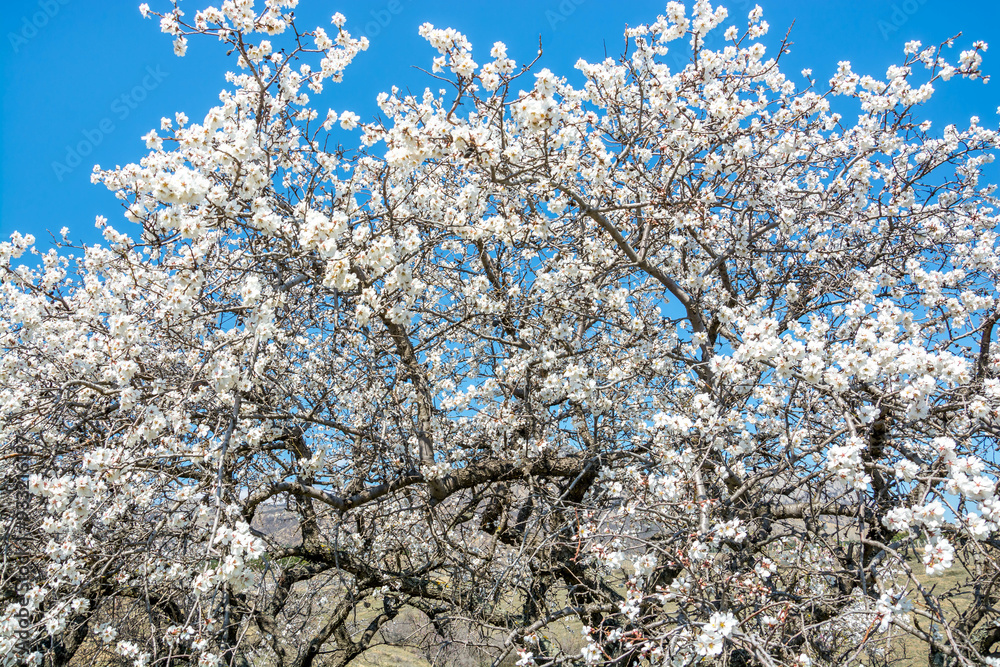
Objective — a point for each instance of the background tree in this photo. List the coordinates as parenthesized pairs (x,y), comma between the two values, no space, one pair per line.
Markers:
(678,361)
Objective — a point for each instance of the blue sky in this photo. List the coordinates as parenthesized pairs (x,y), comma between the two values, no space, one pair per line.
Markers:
(79,73)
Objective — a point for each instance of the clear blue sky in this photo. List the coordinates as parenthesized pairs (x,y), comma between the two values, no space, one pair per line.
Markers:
(95,72)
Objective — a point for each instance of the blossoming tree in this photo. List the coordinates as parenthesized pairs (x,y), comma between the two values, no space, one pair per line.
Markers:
(670,366)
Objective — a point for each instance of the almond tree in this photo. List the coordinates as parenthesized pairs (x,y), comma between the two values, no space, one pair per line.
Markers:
(665,366)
